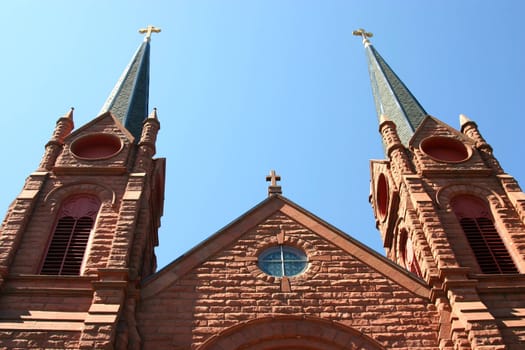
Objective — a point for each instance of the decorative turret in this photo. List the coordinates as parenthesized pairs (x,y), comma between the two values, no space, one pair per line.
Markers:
(63,128)
(391,96)
(150,129)
(147,141)
(393,146)
(128,101)
(470,129)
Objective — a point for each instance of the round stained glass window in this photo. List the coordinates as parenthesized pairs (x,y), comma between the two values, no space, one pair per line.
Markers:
(283,261)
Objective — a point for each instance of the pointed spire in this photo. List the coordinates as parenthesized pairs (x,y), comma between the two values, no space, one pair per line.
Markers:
(391,96)
(128,101)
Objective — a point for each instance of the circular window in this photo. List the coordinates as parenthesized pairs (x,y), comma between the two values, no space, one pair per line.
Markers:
(445,149)
(96,146)
(283,261)
(382,195)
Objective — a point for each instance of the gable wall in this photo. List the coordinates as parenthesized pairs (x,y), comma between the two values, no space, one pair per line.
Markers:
(228,289)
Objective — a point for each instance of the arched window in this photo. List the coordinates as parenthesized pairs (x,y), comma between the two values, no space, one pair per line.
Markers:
(487,245)
(67,247)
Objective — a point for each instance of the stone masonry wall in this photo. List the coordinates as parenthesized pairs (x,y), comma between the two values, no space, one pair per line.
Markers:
(229,289)
(21,340)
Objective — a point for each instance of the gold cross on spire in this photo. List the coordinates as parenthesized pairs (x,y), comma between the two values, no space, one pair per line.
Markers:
(150,29)
(364,34)
(273,189)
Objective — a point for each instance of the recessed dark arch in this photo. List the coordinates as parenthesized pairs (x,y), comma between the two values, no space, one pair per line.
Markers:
(476,221)
(382,195)
(290,332)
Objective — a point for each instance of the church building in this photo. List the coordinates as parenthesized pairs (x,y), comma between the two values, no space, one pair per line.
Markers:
(78,268)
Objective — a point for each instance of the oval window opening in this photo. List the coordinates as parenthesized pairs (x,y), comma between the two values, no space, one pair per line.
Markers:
(96,146)
(382,195)
(445,149)
(283,261)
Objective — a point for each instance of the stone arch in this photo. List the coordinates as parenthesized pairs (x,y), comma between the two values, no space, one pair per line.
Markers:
(405,253)
(399,227)
(58,194)
(445,195)
(496,206)
(290,332)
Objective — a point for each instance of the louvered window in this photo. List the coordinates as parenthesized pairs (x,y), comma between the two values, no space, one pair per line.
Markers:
(488,247)
(66,250)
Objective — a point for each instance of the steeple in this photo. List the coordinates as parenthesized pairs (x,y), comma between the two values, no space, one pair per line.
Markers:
(392,98)
(128,101)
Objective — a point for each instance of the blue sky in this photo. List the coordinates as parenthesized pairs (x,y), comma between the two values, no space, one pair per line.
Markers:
(243,87)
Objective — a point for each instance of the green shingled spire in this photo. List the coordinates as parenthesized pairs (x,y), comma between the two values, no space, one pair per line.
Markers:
(128,101)
(391,96)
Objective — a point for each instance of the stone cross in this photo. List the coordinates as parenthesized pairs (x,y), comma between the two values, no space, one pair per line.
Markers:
(273,178)
(150,29)
(274,188)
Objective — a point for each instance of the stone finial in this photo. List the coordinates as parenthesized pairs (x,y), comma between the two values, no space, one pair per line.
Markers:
(69,114)
(383,118)
(153,114)
(467,125)
(463,119)
(386,123)
(273,188)
(64,126)
(149,130)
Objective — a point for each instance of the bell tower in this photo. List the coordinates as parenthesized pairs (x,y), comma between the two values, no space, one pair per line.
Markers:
(448,213)
(80,237)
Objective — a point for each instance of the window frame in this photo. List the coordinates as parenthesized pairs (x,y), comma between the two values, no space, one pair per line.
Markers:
(71,236)
(282,249)
(484,239)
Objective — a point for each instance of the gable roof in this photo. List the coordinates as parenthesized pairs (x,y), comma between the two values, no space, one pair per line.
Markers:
(432,123)
(100,119)
(232,232)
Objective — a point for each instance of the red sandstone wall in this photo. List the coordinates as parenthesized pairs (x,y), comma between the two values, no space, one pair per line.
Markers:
(19,340)
(508,308)
(228,289)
